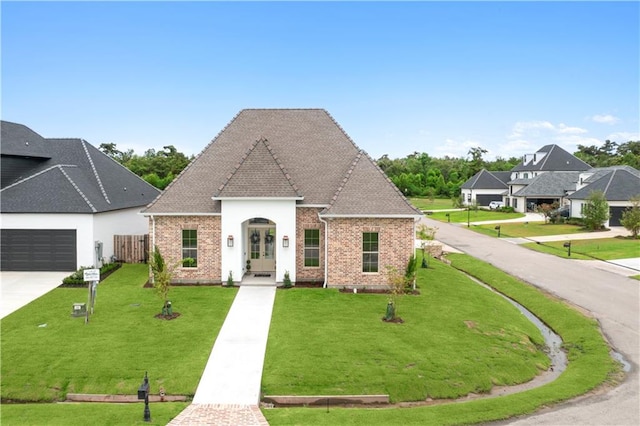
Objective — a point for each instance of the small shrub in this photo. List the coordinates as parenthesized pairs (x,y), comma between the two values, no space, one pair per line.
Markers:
(77,278)
(287,280)
(506,209)
(230,279)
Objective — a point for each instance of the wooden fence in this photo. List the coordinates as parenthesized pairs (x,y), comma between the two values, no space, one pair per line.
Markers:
(131,248)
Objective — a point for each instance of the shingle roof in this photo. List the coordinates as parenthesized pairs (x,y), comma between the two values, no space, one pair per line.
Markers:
(19,140)
(272,180)
(617,185)
(75,177)
(311,149)
(485,179)
(550,184)
(366,191)
(555,159)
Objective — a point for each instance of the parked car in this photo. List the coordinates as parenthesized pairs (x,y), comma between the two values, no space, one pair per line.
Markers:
(563,211)
(496,205)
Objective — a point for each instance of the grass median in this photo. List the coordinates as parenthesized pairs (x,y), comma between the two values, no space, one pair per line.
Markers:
(601,248)
(589,366)
(479,215)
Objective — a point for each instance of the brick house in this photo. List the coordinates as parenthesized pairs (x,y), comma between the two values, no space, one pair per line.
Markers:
(284,190)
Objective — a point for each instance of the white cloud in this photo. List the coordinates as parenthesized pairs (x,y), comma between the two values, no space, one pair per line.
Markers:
(622,137)
(455,148)
(605,119)
(526,137)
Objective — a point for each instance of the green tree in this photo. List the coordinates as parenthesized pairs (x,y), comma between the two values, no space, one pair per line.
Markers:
(477,163)
(596,211)
(162,276)
(631,217)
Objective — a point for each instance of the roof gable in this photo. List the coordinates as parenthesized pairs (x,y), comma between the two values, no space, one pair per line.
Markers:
(485,179)
(259,174)
(19,140)
(553,158)
(617,185)
(366,190)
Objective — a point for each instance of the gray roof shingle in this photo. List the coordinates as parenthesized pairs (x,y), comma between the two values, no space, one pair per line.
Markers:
(617,185)
(73,177)
(312,152)
(555,160)
(551,184)
(485,179)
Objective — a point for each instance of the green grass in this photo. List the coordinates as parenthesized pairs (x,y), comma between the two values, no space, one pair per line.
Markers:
(479,215)
(89,413)
(428,204)
(603,248)
(457,338)
(111,353)
(589,366)
(531,229)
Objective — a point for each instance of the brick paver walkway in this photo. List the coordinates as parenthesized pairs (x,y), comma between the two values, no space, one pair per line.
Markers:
(220,415)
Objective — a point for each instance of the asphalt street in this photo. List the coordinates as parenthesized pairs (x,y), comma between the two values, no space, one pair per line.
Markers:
(613,299)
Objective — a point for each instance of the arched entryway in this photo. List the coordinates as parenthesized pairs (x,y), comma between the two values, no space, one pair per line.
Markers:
(261,246)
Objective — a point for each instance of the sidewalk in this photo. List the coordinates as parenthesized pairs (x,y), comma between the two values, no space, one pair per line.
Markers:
(229,390)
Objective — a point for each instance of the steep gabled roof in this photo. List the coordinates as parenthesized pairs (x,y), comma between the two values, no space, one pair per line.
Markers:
(73,177)
(485,179)
(617,185)
(551,184)
(259,174)
(555,159)
(306,152)
(366,191)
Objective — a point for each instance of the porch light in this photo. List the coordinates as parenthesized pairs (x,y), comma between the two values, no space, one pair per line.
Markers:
(285,241)
(230,241)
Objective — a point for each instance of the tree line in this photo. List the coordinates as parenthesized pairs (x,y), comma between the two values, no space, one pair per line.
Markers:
(417,174)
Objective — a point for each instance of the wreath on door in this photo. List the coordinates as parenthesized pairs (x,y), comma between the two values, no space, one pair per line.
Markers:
(255,236)
(268,238)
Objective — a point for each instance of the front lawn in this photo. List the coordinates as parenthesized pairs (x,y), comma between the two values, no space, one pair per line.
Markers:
(588,354)
(47,353)
(423,203)
(457,338)
(480,215)
(527,229)
(603,248)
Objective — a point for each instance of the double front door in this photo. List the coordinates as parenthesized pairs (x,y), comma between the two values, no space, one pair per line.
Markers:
(262,254)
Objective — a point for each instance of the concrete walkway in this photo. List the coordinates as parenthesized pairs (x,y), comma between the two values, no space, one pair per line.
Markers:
(229,390)
(21,288)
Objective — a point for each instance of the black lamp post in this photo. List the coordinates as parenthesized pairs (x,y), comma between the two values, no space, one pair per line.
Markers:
(568,247)
(143,393)
(468,215)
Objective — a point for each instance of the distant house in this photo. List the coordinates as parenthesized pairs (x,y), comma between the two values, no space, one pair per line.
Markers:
(284,191)
(547,176)
(619,184)
(552,175)
(62,201)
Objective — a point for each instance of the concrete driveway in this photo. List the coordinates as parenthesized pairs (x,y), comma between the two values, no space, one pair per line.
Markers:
(613,299)
(20,288)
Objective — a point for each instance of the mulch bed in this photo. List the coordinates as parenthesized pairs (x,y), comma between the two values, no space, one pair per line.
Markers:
(168,317)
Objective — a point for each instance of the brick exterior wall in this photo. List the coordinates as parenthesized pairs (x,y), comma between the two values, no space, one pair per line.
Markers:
(168,238)
(396,245)
(307,218)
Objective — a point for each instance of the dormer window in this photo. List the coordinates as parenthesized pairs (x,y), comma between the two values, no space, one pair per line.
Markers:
(526,176)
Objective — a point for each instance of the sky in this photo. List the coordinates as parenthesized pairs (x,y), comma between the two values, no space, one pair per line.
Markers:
(399,77)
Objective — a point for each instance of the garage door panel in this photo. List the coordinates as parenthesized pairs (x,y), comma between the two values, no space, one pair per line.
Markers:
(38,250)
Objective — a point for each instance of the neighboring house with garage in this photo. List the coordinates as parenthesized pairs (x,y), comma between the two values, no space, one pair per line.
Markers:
(547,176)
(618,184)
(485,187)
(284,191)
(62,201)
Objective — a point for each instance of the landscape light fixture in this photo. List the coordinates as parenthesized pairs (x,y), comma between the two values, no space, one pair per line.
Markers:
(230,241)
(285,241)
